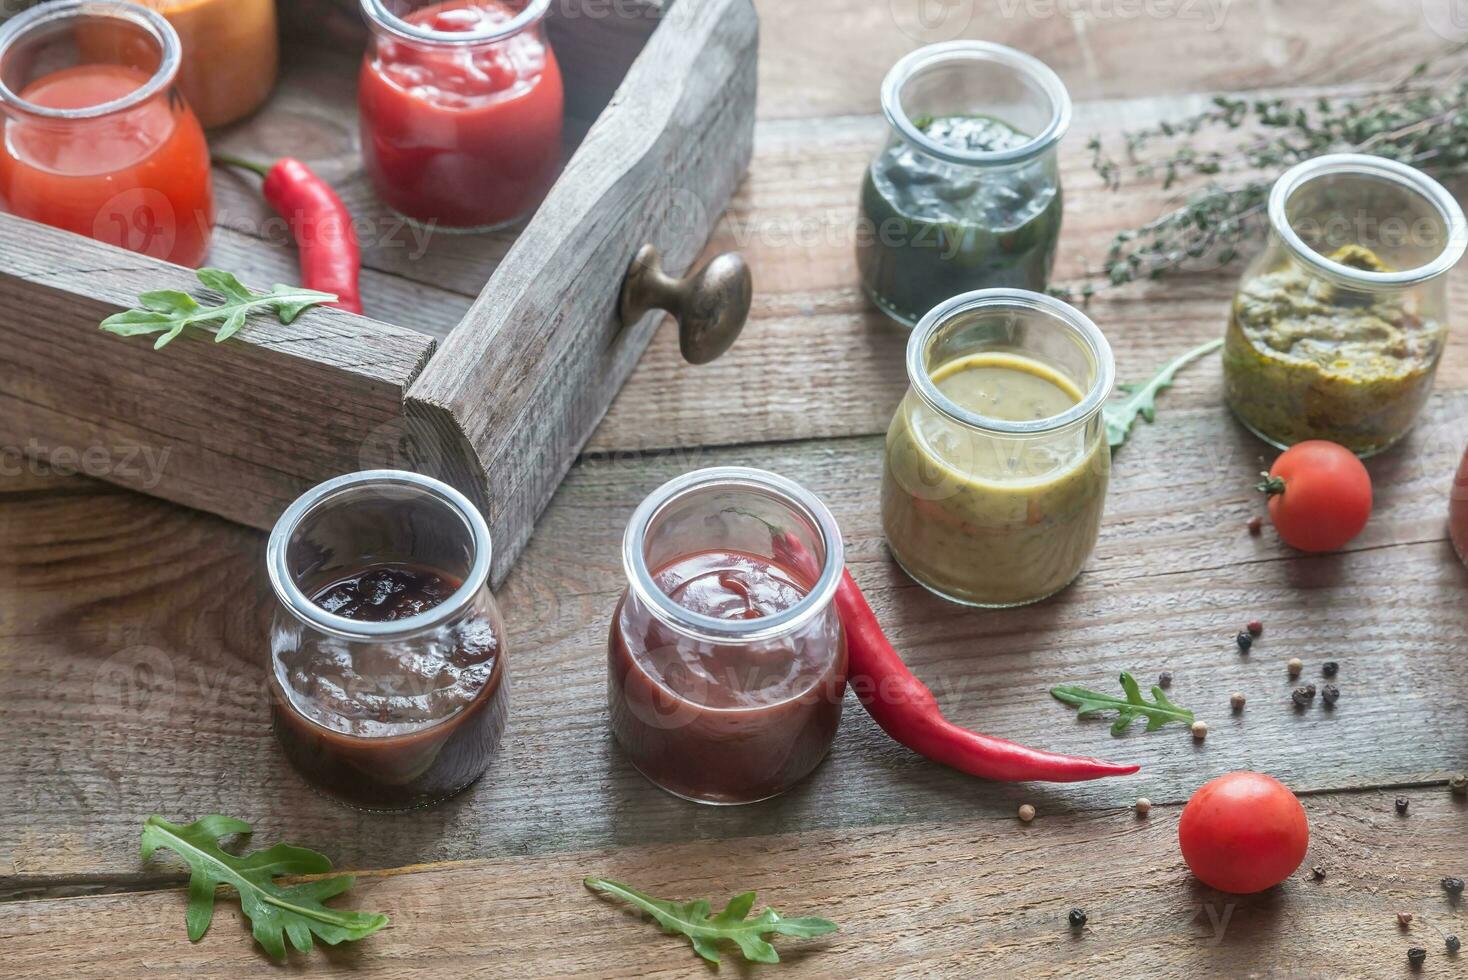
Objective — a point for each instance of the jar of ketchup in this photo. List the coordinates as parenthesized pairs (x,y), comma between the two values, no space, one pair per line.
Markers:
(461,110)
(1458,510)
(97,139)
(387,658)
(727,667)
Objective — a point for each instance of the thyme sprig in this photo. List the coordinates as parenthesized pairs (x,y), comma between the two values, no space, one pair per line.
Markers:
(1239,146)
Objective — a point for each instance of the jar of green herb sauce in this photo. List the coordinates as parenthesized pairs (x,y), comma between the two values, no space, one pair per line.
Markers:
(1338,327)
(966,193)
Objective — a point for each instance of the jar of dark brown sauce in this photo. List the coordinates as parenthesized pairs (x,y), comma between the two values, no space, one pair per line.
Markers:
(388,679)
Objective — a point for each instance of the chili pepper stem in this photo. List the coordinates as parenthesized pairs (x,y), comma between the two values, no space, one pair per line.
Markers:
(226,160)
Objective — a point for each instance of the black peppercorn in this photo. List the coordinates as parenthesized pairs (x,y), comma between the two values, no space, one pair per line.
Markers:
(1164,679)
(1318,872)
(1077,918)
(1245,641)
(1453,944)
(1417,955)
(1453,886)
(1302,696)
(1330,668)
(1402,804)
(1330,694)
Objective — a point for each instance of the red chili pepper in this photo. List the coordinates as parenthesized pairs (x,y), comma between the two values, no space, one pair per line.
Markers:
(331,259)
(907,710)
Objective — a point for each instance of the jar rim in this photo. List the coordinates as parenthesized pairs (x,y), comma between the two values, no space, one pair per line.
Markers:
(378,13)
(970,51)
(308,612)
(155,24)
(709,628)
(1018,300)
(1366,165)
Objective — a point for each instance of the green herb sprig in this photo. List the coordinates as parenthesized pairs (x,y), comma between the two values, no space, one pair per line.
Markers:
(170,311)
(275,911)
(1120,415)
(1418,121)
(704,930)
(1158,712)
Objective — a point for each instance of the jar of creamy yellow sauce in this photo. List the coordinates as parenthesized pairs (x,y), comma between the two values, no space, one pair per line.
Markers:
(997,462)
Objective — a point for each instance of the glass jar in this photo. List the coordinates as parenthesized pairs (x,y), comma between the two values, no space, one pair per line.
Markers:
(727,662)
(388,679)
(97,140)
(966,193)
(997,461)
(231,54)
(461,110)
(1337,328)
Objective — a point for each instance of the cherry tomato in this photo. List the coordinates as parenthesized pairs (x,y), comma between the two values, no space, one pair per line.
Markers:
(1319,495)
(1243,832)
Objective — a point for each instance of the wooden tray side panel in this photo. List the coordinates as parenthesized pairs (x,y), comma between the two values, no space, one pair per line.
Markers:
(516,390)
(238,429)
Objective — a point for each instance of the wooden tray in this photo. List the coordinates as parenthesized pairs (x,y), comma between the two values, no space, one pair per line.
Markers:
(491,358)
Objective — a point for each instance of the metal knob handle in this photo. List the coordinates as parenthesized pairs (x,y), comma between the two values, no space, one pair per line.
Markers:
(710,305)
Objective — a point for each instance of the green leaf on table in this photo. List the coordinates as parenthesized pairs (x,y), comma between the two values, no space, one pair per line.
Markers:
(169,311)
(275,911)
(1120,414)
(1158,712)
(704,930)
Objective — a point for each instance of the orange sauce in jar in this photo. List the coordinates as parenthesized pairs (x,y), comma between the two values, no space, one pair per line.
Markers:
(231,54)
(137,178)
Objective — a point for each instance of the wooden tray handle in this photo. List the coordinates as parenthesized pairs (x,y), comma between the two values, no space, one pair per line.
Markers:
(711,305)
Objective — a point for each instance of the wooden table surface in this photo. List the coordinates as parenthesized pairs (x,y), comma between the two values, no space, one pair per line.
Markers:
(132,632)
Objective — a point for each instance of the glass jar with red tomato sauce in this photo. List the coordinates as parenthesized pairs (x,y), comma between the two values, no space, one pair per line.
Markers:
(727,661)
(97,139)
(461,110)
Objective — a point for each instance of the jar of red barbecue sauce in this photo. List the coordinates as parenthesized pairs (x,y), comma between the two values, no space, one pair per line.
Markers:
(388,680)
(461,110)
(727,661)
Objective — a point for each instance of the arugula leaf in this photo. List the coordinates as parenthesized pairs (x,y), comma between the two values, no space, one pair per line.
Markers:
(693,920)
(169,311)
(1141,399)
(274,910)
(1158,712)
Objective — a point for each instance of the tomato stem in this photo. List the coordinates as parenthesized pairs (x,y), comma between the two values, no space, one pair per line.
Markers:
(1271,485)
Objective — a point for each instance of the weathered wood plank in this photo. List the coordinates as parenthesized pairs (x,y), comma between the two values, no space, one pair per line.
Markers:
(967,897)
(241,428)
(828,58)
(122,615)
(827,363)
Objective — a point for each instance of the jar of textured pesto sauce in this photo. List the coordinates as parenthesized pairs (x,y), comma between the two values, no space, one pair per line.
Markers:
(966,193)
(1337,328)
